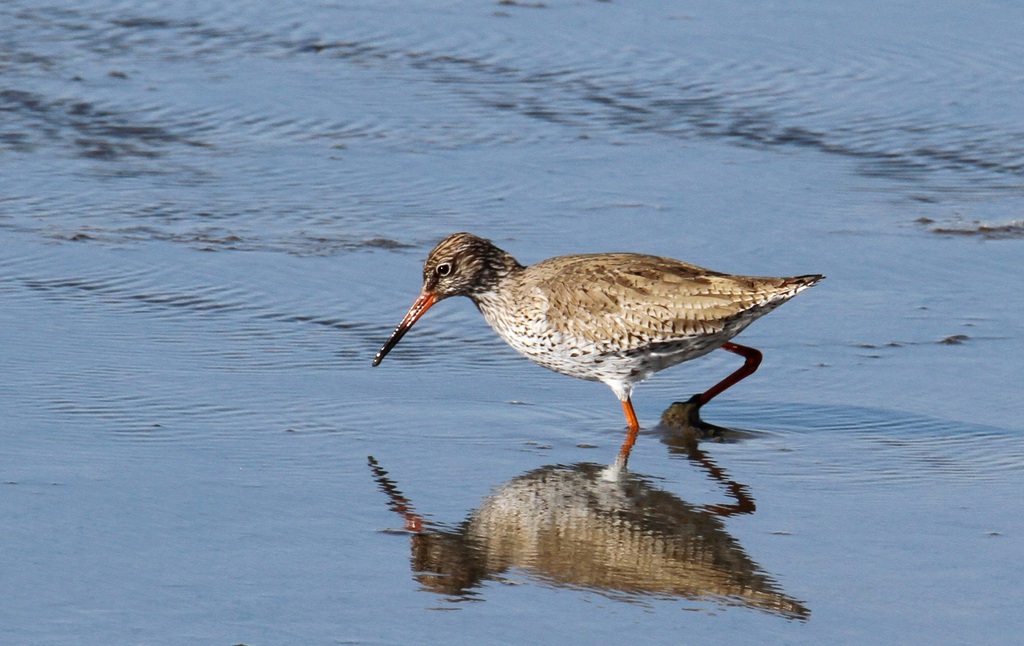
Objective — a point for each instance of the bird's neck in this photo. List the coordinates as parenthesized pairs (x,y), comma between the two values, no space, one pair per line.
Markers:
(499,268)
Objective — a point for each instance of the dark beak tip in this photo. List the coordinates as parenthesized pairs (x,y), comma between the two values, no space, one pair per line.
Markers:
(421,305)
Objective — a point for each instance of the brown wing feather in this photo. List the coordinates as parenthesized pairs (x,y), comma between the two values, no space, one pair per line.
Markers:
(636,300)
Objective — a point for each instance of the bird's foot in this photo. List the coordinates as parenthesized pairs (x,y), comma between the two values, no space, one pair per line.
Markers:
(684,418)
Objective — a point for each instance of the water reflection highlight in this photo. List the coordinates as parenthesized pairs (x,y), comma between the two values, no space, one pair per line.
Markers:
(596,528)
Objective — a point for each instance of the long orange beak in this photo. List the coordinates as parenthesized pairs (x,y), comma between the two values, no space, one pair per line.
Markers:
(421,305)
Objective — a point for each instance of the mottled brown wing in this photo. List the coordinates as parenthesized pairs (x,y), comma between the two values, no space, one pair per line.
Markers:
(633,300)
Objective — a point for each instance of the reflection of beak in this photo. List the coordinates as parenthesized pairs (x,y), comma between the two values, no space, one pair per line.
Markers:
(422,304)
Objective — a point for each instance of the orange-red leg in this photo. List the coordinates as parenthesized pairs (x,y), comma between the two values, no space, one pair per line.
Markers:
(634,428)
(752,361)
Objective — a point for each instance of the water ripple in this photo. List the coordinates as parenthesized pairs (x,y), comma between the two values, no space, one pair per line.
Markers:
(868,447)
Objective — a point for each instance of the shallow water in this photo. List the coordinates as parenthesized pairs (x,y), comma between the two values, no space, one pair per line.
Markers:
(212,218)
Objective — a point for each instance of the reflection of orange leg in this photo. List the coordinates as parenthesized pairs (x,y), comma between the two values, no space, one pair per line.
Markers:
(744,501)
(752,361)
(634,428)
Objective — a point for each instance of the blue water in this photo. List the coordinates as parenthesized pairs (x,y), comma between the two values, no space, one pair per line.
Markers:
(211,218)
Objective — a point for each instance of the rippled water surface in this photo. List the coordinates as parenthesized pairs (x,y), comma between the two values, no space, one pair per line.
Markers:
(212,216)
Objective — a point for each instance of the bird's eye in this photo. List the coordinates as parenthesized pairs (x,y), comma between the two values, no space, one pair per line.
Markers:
(444,269)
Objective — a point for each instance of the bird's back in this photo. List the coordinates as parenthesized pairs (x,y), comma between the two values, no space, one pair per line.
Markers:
(624,301)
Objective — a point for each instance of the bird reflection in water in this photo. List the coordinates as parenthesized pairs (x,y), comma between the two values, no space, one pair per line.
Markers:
(597,528)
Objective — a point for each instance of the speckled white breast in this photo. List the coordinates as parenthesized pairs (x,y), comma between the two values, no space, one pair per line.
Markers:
(528,329)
